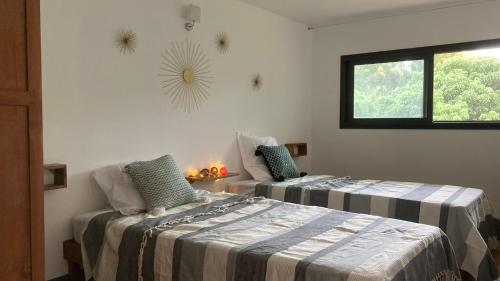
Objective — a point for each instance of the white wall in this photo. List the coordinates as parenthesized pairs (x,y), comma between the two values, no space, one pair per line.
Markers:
(102,107)
(461,157)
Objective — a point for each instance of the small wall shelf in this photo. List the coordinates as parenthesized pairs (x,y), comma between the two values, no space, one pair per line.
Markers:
(297,149)
(60,176)
(210,178)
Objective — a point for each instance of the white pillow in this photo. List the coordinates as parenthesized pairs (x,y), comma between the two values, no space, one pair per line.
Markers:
(255,165)
(119,189)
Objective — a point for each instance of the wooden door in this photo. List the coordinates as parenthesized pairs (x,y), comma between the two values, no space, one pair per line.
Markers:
(21,164)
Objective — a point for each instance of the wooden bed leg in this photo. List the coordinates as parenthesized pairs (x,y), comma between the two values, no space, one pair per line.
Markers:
(466,276)
(73,255)
(496,255)
(75,272)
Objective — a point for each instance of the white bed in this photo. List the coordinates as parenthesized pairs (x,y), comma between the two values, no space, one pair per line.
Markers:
(290,241)
(464,214)
(246,187)
(79,223)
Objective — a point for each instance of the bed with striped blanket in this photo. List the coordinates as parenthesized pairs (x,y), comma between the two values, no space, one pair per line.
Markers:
(464,214)
(226,237)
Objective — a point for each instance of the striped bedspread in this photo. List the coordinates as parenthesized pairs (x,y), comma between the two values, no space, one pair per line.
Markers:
(464,214)
(226,237)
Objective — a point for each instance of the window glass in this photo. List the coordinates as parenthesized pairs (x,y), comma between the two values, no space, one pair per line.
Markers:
(467,86)
(389,90)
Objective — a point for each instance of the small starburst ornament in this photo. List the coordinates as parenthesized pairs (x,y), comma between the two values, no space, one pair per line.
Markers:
(126,41)
(222,42)
(257,82)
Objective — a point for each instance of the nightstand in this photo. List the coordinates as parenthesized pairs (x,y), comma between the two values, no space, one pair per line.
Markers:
(210,183)
(246,187)
(191,179)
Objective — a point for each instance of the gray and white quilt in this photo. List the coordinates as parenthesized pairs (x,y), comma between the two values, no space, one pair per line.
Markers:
(464,214)
(225,237)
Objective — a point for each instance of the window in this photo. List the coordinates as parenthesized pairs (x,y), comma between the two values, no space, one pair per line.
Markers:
(447,86)
(389,90)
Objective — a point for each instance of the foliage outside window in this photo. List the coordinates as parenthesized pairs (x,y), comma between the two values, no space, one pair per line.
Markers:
(389,90)
(448,86)
(467,86)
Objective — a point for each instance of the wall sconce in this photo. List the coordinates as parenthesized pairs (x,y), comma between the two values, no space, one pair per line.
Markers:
(193,15)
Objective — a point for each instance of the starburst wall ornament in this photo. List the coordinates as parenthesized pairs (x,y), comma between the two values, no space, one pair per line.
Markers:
(257,82)
(222,42)
(126,41)
(185,73)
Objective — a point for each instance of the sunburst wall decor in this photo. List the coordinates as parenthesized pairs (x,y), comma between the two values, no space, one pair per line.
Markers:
(222,42)
(186,75)
(126,41)
(257,82)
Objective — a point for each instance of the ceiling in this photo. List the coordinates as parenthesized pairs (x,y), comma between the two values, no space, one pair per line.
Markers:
(317,13)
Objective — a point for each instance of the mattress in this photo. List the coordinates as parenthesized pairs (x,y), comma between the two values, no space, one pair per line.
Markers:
(80,222)
(246,187)
(464,214)
(231,237)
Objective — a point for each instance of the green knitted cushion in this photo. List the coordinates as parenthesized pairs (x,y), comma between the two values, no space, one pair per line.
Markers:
(161,183)
(279,162)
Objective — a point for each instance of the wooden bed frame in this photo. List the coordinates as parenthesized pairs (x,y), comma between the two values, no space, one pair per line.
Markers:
(73,255)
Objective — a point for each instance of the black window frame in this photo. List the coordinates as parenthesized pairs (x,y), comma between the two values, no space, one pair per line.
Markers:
(347,120)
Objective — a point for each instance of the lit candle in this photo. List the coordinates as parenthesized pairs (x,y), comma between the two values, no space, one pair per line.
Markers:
(192,172)
(204,173)
(214,171)
(223,171)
